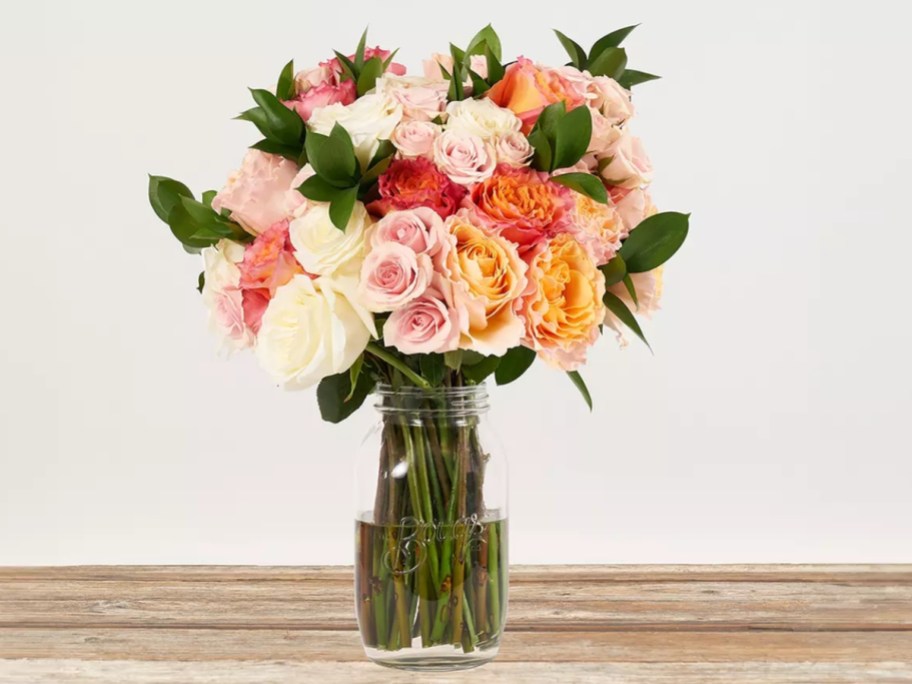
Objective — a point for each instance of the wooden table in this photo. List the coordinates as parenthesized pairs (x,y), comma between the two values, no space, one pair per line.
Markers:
(656,624)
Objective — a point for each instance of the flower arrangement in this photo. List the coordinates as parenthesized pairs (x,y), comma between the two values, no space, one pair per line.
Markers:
(415,235)
(435,229)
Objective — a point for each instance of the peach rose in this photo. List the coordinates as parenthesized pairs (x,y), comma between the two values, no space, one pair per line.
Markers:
(598,227)
(563,307)
(648,288)
(392,275)
(523,204)
(256,194)
(415,138)
(610,99)
(430,324)
(488,277)
(632,206)
(527,89)
(466,159)
(629,166)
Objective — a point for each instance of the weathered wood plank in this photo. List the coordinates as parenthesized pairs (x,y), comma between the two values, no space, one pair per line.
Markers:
(119,672)
(580,647)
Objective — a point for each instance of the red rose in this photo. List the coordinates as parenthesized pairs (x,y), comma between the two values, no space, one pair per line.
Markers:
(410,183)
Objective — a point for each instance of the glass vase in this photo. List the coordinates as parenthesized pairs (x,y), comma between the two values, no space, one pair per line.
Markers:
(431,531)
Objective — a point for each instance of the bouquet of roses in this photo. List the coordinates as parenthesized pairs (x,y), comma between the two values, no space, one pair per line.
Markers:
(431,230)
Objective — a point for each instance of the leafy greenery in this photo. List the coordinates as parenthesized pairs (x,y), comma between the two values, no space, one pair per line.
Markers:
(581,386)
(485,43)
(340,179)
(614,271)
(513,364)
(560,138)
(654,241)
(606,57)
(616,306)
(364,72)
(283,130)
(195,224)
(584,183)
(338,398)
(477,373)
(285,88)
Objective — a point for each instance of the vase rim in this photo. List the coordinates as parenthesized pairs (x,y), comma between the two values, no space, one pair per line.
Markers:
(468,399)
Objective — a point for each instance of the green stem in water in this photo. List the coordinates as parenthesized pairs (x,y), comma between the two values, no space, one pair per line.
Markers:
(375,349)
(494,577)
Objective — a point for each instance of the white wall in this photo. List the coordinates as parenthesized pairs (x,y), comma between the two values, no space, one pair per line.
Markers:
(772,424)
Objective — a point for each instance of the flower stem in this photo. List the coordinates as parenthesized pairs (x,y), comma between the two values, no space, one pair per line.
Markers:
(376,350)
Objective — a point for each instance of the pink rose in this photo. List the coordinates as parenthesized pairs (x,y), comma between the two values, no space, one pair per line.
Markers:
(466,159)
(415,138)
(305,80)
(335,66)
(320,96)
(420,229)
(629,166)
(513,149)
(430,324)
(605,135)
(421,99)
(610,99)
(295,202)
(633,206)
(392,275)
(256,193)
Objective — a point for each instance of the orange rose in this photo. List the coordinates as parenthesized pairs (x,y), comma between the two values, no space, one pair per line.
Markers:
(523,205)
(489,277)
(527,89)
(563,306)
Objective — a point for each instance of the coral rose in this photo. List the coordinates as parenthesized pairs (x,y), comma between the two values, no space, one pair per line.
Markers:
(256,193)
(523,204)
(527,89)
(563,307)
(410,183)
(489,277)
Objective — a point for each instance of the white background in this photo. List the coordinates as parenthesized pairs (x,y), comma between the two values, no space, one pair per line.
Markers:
(772,424)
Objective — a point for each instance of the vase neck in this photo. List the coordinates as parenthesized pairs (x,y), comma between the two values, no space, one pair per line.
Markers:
(470,400)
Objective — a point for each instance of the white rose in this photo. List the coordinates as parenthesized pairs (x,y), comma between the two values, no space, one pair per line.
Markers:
(629,166)
(465,158)
(322,248)
(415,138)
(513,149)
(482,118)
(311,330)
(368,120)
(422,99)
(222,295)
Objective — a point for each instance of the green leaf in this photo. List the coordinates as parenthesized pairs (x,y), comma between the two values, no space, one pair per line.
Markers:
(612,40)
(478,372)
(385,150)
(549,118)
(201,282)
(616,306)
(318,189)
(164,194)
(210,225)
(208,196)
(573,135)
(433,368)
(654,241)
(543,153)
(183,227)
(479,85)
(574,49)
(349,70)
(285,88)
(610,62)
(584,183)
(496,70)
(343,204)
(333,393)
(513,364)
(273,147)
(459,55)
(282,124)
(581,386)
(631,290)
(389,60)
(360,50)
(631,77)
(453,360)
(614,271)
(487,36)
(374,172)
(333,156)
(367,79)
(353,374)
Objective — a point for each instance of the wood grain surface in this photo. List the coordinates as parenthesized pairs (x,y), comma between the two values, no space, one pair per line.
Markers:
(252,625)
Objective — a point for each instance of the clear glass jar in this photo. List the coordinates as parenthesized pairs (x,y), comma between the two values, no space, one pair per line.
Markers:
(431,531)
